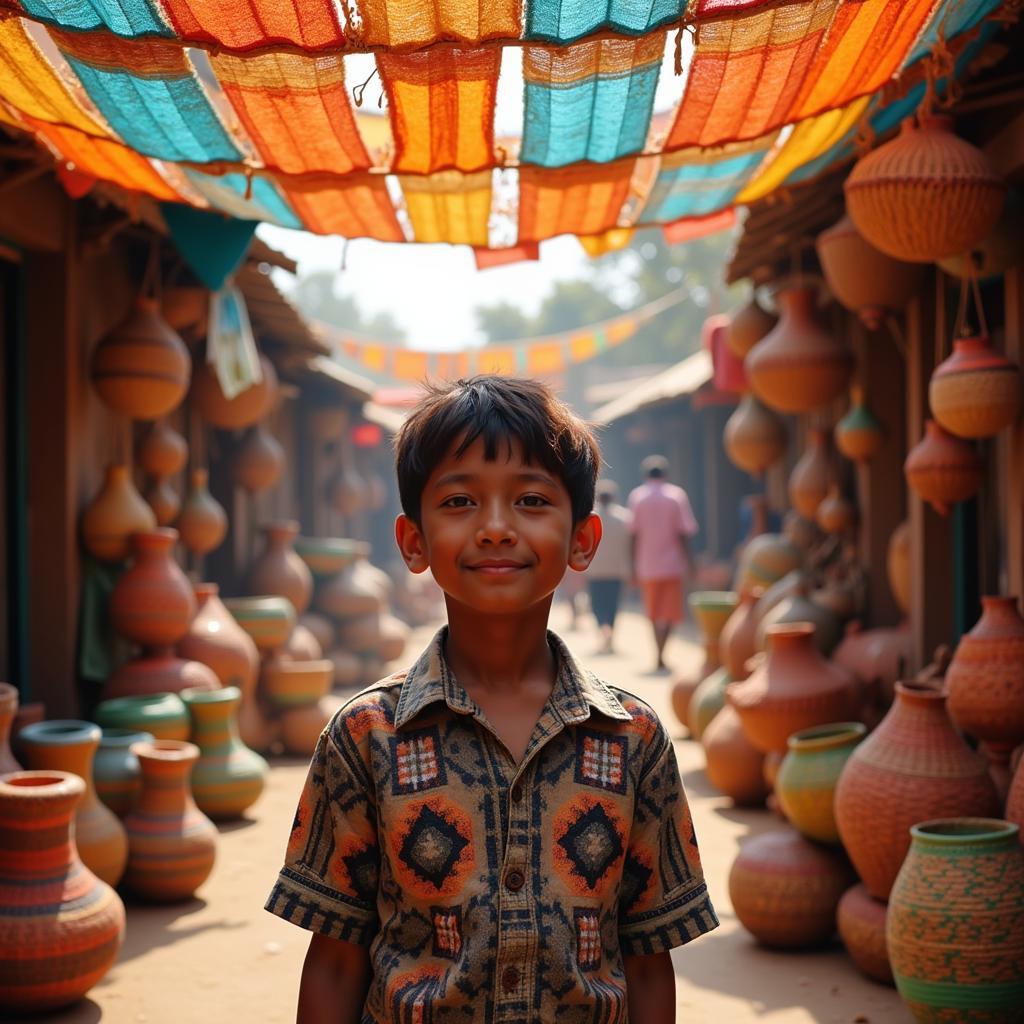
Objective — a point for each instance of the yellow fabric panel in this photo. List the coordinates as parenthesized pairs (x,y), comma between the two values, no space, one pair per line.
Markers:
(398,23)
(610,241)
(409,365)
(496,360)
(449,207)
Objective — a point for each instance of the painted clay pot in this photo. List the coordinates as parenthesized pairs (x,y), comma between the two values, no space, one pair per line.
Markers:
(287,684)
(913,766)
(754,437)
(707,700)
(748,327)
(70,746)
(163,499)
(735,767)
(859,434)
(216,639)
(785,889)
(897,566)
(267,620)
(327,556)
(115,769)
(163,715)
(737,642)
(942,469)
(955,926)
(765,559)
(806,781)
(113,516)
(158,671)
(163,452)
(798,607)
(279,570)
(836,514)
(228,777)
(860,919)
(975,393)
(60,926)
(152,603)
(245,409)
(203,523)
(171,843)
(809,481)
(711,609)
(301,726)
(8,709)
(259,461)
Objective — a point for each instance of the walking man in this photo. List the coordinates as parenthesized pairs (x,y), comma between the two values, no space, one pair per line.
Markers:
(612,566)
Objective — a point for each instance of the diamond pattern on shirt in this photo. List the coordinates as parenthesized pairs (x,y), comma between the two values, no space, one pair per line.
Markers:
(434,846)
(589,840)
(601,760)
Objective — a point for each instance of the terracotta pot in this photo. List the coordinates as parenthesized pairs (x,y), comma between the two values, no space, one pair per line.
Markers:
(794,688)
(163,452)
(26,714)
(859,435)
(288,684)
(785,889)
(322,629)
(861,922)
(327,556)
(798,366)
(258,462)
(115,769)
(793,582)
(999,250)
(60,927)
(171,843)
(347,493)
(748,327)
(712,609)
(302,645)
(348,668)
(975,393)
(926,194)
(897,566)
(203,523)
(156,672)
(842,598)
(268,620)
(765,559)
(796,608)
(161,714)
(955,926)
(942,469)
(1015,798)
(141,368)
(70,746)
(185,306)
(877,657)
(216,639)
(349,593)
(755,437)
(801,531)
(8,709)
(163,499)
(836,514)
(245,409)
(806,781)
(913,766)
(279,570)
(735,767)
(301,726)
(110,519)
(228,778)
(394,635)
(707,701)
(737,642)
(809,480)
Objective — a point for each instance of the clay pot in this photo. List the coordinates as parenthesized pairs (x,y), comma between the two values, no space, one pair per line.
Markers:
(301,726)
(707,701)
(737,642)
(322,629)
(926,194)
(877,657)
(348,668)
(897,566)
(801,531)
(955,926)
(228,778)
(748,327)
(161,714)
(394,635)
(163,451)
(185,306)
(843,598)
(735,767)
(862,278)
(245,409)
(794,688)
(798,607)
(203,523)
(711,610)
(754,437)
(765,559)
(809,480)
(785,889)
(327,556)
(268,620)
(349,593)
(70,746)
(26,714)
(327,422)
(60,926)
(1015,798)
(141,368)
(861,922)
(302,645)
(289,684)
(279,570)
(215,639)
(999,250)
(157,672)
(798,366)
(347,493)
(911,767)
(859,435)
(806,781)
(163,499)
(8,709)
(942,469)
(115,769)
(258,462)
(975,393)
(836,514)
(110,519)
(790,584)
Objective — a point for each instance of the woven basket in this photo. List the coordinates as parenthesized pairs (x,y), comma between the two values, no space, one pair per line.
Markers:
(975,393)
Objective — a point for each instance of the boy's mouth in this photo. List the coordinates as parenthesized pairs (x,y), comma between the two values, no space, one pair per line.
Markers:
(496,566)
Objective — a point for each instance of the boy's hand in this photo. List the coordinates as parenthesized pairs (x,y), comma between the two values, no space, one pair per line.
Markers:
(335,979)
(650,988)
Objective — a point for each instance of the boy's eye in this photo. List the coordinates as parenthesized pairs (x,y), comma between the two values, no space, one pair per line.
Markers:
(457,501)
(534,500)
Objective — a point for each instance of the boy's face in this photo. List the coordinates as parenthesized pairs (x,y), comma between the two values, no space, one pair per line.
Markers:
(498,536)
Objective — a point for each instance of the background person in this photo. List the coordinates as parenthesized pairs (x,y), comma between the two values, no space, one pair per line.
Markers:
(612,567)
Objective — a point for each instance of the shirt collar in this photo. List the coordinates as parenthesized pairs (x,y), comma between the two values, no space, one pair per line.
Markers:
(576,690)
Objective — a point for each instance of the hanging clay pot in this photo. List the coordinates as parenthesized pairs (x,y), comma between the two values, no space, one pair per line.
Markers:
(203,523)
(801,531)
(748,327)
(735,767)
(163,499)
(755,437)
(327,422)
(70,746)
(268,620)
(926,194)
(115,769)
(162,714)
(245,409)
(141,368)
(60,928)
(171,843)
(279,570)
(862,278)
(186,306)
(152,603)
(163,451)
(301,727)
(897,566)
(975,392)
(942,469)
(859,435)
(111,518)
(799,366)
(860,919)
(809,480)
(258,462)
(738,640)
(707,701)
(913,766)
(8,709)
(999,251)
(158,671)
(836,514)
(765,559)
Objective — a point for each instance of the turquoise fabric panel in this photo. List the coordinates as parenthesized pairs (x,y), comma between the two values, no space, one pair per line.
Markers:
(951,18)
(695,190)
(211,244)
(128,18)
(227,193)
(166,118)
(599,119)
(564,21)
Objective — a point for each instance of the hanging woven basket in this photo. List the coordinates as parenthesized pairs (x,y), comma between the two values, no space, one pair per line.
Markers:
(859,435)
(942,469)
(748,327)
(926,194)
(755,437)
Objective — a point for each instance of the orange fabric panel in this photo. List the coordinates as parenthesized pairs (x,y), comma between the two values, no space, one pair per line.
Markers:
(407,364)
(449,207)
(452,365)
(410,23)
(549,358)
(360,210)
(487,258)
(442,108)
(296,110)
(496,360)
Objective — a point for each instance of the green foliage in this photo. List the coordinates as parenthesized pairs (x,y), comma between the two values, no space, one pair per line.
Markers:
(317,298)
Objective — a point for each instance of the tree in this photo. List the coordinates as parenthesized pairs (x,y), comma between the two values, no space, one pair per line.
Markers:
(316,297)
(501,322)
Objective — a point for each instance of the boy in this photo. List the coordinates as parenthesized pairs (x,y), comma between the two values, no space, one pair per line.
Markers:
(495,835)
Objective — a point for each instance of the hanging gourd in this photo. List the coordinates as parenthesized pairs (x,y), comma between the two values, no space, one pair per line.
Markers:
(755,437)
(942,469)
(836,514)
(748,327)
(859,434)
(110,519)
(897,565)
(975,392)
(163,451)
(925,195)
(808,483)
(863,279)
(798,366)
(203,523)
(163,499)
(244,409)
(259,461)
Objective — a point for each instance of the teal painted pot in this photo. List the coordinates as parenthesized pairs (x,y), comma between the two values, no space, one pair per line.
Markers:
(162,715)
(707,700)
(116,771)
(955,924)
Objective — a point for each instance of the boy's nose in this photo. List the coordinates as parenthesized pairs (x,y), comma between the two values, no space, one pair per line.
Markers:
(496,528)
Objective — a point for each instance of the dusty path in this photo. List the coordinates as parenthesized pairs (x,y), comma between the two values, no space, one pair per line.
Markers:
(220,957)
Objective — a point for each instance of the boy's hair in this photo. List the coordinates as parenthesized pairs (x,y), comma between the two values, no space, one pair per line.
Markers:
(499,410)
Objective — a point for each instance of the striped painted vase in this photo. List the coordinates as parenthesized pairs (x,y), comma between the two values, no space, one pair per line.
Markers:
(115,769)
(955,925)
(60,926)
(161,714)
(171,843)
(228,777)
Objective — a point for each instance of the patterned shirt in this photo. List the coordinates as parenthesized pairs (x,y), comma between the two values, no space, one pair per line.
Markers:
(491,891)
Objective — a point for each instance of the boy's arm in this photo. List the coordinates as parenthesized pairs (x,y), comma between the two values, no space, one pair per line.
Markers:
(650,988)
(335,979)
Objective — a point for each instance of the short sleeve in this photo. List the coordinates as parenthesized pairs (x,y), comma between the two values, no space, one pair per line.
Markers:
(687,523)
(664,901)
(328,883)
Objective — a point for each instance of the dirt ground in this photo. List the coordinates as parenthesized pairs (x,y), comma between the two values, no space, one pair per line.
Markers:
(222,957)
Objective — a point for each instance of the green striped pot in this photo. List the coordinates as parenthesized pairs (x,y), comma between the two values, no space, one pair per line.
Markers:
(268,620)
(115,769)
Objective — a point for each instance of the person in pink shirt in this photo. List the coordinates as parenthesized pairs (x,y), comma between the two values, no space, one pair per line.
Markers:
(663,523)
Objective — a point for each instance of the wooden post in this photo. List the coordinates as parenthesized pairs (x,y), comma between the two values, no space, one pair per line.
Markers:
(1011,446)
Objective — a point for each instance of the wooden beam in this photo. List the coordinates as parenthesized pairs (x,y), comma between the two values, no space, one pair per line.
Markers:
(1011,446)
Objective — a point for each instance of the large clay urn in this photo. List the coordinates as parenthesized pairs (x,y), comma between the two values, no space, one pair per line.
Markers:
(216,639)
(799,366)
(942,469)
(738,640)
(735,767)
(912,767)
(755,437)
(244,409)
(809,480)
(158,671)
(8,709)
(765,559)
(279,570)
(748,327)
(61,927)
(203,523)
(163,451)
(258,462)
(794,688)
(110,519)
(859,435)
(897,566)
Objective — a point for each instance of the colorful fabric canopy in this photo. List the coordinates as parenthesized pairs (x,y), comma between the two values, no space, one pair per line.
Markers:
(247,108)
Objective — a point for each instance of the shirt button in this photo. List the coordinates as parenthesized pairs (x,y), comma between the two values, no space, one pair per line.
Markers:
(517,793)
(515,880)
(509,979)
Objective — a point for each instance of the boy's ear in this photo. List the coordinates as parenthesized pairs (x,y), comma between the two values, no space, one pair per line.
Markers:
(585,540)
(410,543)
